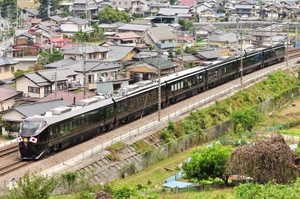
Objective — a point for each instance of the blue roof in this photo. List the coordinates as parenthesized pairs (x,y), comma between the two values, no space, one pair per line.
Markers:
(178,184)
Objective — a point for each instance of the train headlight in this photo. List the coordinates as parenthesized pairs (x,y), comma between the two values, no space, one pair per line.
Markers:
(25,140)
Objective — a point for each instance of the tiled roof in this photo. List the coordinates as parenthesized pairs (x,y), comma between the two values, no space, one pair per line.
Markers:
(173,11)
(134,27)
(125,35)
(7,61)
(78,20)
(26,34)
(35,20)
(8,93)
(210,54)
(68,96)
(92,66)
(40,107)
(159,62)
(187,2)
(84,49)
(61,63)
(56,18)
(119,52)
(161,33)
(35,77)
(230,37)
(32,11)
(50,75)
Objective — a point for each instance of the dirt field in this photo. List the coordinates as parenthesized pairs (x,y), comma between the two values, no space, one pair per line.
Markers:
(27,4)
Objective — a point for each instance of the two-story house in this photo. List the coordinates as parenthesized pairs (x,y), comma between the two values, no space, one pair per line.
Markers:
(85,52)
(154,7)
(124,38)
(222,41)
(29,13)
(139,7)
(26,45)
(136,28)
(90,70)
(8,98)
(160,37)
(41,83)
(73,25)
(7,67)
(85,8)
(243,10)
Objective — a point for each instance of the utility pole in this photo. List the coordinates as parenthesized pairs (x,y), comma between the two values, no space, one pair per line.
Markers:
(55,84)
(159,84)
(287,44)
(84,74)
(241,67)
(49,15)
(272,28)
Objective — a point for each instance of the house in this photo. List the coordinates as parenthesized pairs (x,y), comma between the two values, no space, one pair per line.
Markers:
(160,37)
(29,13)
(208,55)
(154,7)
(35,21)
(86,52)
(124,38)
(139,7)
(44,82)
(260,34)
(85,8)
(93,70)
(121,53)
(26,45)
(243,10)
(203,6)
(7,67)
(14,117)
(125,4)
(148,69)
(8,98)
(222,41)
(73,25)
(136,28)
(175,11)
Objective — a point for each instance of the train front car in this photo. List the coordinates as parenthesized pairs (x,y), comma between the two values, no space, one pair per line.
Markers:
(30,145)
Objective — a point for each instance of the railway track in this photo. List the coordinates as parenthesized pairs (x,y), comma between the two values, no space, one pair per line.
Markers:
(9,150)
(12,166)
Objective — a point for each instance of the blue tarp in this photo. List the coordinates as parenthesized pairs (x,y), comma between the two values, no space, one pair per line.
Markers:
(178,184)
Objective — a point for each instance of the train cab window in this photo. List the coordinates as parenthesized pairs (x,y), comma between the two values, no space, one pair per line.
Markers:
(133,103)
(30,128)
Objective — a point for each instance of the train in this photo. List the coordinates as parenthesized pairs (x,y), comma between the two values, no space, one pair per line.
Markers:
(67,126)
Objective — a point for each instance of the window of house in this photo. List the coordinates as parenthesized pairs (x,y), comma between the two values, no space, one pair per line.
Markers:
(91,79)
(48,90)
(12,69)
(119,2)
(31,89)
(113,3)
(104,74)
(0,70)
(126,3)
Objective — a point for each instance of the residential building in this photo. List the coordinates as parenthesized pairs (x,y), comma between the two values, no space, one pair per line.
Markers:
(41,83)
(73,25)
(8,98)
(7,67)
(243,10)
(222,41)
(86,52)
(26,45)
(124,38)
(160,37)
(90,70)
(136,28)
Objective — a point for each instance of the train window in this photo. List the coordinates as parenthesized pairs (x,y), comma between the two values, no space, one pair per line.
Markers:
(199,78)
(172,87)
(109,111)
(50,131)
(101,113)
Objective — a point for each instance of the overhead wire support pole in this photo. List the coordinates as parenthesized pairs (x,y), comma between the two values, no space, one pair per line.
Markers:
(159,85)
(287,45)
(84,73)
(241,67)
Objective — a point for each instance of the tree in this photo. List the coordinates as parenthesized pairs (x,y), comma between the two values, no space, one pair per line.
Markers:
(43,8)
(33,186)
(265,160)
(110,15)
(185,25)
(245,119)
(19,72)
(208,162)
(55,56)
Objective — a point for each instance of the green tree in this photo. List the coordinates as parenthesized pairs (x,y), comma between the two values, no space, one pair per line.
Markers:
(19,72)
(185,25)
(55,56)
(43,58)
(33,186)
(110,15)
(245,119)
(43,8)
(207,162)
